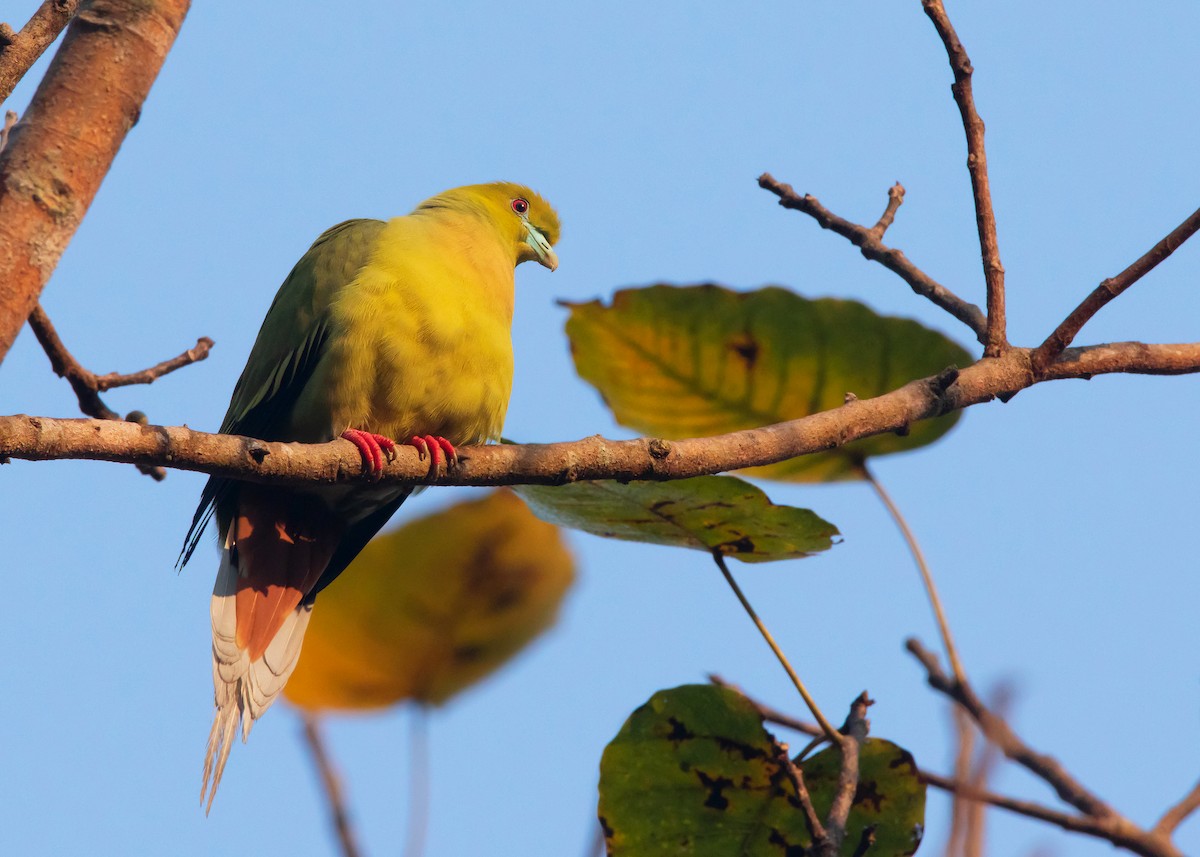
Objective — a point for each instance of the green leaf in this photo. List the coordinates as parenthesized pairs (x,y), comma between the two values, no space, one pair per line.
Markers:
(708,513)
(890,795)
(693,772)
(694,361)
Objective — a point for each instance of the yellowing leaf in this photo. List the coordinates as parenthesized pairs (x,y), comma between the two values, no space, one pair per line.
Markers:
(693,361)
(708,513)
(432,607)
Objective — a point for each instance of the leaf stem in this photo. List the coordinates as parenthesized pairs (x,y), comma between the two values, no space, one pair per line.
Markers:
(926,576)
(832,733)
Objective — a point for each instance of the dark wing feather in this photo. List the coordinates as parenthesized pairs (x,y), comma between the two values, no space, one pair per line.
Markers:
(290,344)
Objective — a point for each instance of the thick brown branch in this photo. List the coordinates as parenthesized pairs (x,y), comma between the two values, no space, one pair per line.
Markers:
(985,216)
(19,51)
(1109,289)
(44,438)
(868,241)
(64,144)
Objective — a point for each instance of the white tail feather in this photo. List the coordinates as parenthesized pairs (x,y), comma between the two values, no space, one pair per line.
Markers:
(243,690)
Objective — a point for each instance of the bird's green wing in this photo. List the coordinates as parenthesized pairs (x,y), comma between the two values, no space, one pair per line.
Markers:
(289,346)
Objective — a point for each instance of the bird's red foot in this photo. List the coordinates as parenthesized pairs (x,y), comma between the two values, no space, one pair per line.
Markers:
(435,446)
(373,448)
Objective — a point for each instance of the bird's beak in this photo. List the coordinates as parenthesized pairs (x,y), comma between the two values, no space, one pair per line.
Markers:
(541,247)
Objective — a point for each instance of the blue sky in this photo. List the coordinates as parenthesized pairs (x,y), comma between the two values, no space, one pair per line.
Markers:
(1058,525)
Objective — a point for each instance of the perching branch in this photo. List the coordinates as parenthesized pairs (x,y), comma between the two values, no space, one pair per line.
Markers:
(985,217)
(87,385)
(62,148)
(19,51)
(1177,814)
(869,241)
(45,438)
(1065,333)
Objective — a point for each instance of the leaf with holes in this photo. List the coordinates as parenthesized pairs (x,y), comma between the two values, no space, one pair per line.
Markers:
(432,607)
(693,772)
(708,513)
(695,361)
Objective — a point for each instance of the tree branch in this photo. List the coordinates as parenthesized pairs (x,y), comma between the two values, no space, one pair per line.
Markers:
(331,785)
(64,144)
(872,247)
(985,217)
(45,438)
(1177,814)
(87,385)
(19,51)
(855,731)
(1065,333)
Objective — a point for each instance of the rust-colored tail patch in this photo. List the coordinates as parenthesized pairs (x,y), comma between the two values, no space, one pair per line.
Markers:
(283,543)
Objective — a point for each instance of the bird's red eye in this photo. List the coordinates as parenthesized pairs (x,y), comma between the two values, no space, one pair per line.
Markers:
(520,206)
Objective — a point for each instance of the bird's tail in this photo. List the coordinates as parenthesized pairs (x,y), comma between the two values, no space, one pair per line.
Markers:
(244,688)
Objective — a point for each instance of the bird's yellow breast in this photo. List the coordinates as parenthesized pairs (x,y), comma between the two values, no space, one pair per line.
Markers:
(420,340)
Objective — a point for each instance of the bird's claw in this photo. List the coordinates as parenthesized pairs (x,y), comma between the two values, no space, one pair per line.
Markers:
(435,447)
(374,449)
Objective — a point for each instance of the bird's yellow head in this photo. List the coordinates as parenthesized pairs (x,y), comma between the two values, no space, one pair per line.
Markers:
(519,214)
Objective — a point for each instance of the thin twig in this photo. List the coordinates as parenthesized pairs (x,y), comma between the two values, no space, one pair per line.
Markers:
(19,51)
(895,200)
(855,730)
(964,728)
(923,567)
(1030,809)
(985,217)
(1176,815)
(87,385)
(1001,734)
(769,714)
(826,726)
(1065,333)
(792,771)
(338,813)
(868,241)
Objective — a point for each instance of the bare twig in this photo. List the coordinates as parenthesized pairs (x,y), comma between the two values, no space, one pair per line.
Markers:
(1177,814)
(1001,734)
(418,789)
(826,726)
(855,730)
(796,778)
(964,729)
(46,438)
(19,51)
(68,136)
(918,555)
(985,217)
(895,200)
(87,385)
(332,786)
(868,241)
(1065,333)
(772,715)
